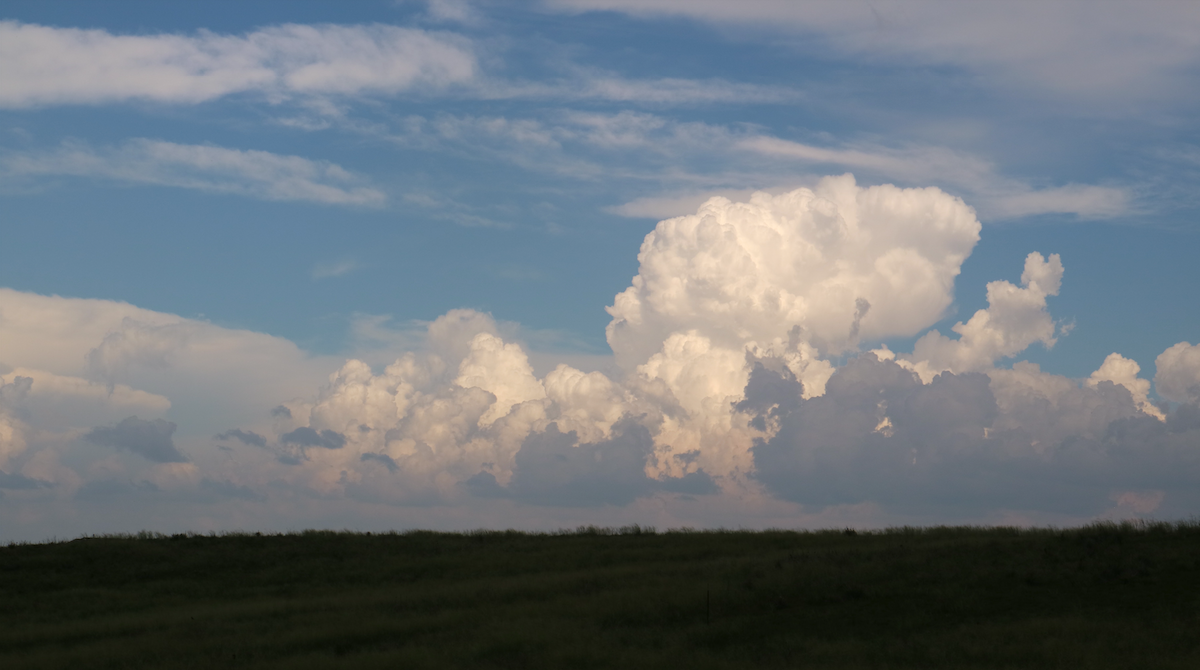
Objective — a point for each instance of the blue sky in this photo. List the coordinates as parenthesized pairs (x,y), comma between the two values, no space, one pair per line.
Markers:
(230,205)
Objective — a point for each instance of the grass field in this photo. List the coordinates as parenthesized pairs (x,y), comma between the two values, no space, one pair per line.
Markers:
(1107,596)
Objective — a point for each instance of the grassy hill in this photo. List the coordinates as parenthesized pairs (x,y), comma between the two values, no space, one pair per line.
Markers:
(1118,596)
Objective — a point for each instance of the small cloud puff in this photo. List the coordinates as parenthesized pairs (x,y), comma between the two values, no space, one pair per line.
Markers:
(327,269)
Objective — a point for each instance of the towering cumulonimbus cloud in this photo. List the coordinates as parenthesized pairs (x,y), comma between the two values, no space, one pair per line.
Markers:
(727,386)
(840,261)
(726,301)
(804,274)
(791,278)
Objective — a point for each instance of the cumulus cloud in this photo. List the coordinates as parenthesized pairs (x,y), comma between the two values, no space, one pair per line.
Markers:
(256,174)
(14,481)
(736,274)
(739,383)
(961,444)
(48,65)
(783,281)
(1015,318)
(1178,373)
(465,416)
(1124,371)
(724,342)
(96,361)
(553,468)
(149,439)
(60,400)
(12,428)
(136,343)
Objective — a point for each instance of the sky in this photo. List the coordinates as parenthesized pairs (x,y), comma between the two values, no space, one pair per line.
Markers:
(456,265)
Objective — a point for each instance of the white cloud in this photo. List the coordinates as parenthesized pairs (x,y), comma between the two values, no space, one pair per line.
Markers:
(678,91)
(257,174)
(1117,52)
(791,278)
(1124,371)
(679,204)
(448,209)
(55,400)
(127,377)
(1086,201)
(1016,317)
(749,272)
(136,343)
(430,421)
(46,65)
(966,445)
(727,403)
(688,162)
(100,351)
(501,369)
(1177,375)
(459,11)
(994,195)
(582,83)
(12,429)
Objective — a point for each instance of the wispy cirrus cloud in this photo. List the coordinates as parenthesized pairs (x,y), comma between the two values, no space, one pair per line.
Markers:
(1116,52)
(994,194)
(593,84)
(257,174)
(46,65)
(690,161)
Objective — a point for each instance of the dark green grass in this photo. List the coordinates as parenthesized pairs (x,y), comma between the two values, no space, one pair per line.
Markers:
(1107,596)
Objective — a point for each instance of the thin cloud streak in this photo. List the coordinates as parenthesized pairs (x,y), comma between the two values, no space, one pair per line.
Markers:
(997,196)
(46,65)
(257,174)
(1115,53)
(659,150)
